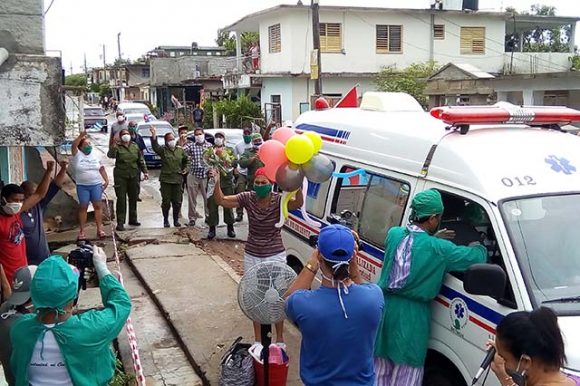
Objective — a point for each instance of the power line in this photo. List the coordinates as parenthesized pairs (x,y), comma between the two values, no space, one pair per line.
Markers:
(48,9)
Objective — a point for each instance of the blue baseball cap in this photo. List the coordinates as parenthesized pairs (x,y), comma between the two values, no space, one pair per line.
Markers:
(336,243)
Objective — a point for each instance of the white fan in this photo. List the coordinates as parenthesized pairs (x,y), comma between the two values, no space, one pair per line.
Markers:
(260,296)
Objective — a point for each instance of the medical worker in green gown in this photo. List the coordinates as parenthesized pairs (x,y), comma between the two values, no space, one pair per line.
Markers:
(415,266)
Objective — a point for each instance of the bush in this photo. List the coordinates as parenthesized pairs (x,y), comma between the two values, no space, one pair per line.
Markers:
(237,113)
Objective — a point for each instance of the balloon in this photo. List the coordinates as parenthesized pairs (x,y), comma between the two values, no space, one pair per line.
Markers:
(319,169)
(289,177)
(358,172)
(271,170)
(283,134)
(286,197)
(316,140)
(299,149)
(305,215)
(272,153)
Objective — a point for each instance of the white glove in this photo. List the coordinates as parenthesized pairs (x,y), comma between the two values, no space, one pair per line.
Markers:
(100,262)
(474,244)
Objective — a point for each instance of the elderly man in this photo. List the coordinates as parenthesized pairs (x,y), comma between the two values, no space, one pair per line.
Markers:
(414,268)
(227,186)
(197,176)
(33,220)
(343,313)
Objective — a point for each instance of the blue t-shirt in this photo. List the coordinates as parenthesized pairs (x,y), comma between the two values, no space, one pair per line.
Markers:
(33,226)
(337,351)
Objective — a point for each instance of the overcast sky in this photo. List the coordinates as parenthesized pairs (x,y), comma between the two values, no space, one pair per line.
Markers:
(76,27)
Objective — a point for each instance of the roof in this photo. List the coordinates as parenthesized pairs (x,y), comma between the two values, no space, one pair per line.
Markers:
(189,48)
(467,69)
(246,23)
(483,162)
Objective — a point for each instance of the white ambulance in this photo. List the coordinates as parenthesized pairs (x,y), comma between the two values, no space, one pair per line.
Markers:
(513,187)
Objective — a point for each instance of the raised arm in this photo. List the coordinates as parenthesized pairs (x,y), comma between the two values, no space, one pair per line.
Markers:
(297,202)
(218,194)
(306,276)
(59,179)
(75,145)
(154,144)
(41,189)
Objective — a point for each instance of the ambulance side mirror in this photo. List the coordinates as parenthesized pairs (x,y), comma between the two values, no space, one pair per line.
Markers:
(486,280)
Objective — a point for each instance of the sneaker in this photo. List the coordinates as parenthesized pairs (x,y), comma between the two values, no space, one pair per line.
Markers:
(231,232)
(239,218)
(120,227)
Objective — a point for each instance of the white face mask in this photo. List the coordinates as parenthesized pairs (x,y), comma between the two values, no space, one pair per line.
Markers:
(200,138)
(126,137)
(219,141)
(12,207)
(120,119)
(171,143)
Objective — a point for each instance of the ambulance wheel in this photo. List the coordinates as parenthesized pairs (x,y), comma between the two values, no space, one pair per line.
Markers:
(438,378)
(295,264)
(440,371)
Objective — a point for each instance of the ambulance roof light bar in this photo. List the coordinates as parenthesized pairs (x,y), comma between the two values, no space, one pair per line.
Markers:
(460,117)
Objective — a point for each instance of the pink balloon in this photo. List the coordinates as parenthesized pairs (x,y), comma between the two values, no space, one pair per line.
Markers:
(283,134)
(272,153)
(271,171)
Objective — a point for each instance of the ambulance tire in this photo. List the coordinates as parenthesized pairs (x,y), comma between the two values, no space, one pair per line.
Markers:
(295,264)
(439,371)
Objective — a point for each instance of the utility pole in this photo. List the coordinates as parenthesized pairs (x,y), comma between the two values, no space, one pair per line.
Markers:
(119,46)
(316,46)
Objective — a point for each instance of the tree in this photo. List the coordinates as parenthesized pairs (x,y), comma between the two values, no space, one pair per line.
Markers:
(227,40)
(412,80)
(236,111)
(539,39)
(76,80)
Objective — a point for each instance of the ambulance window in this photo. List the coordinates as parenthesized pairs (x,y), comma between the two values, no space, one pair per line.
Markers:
(471,223)
(316,198)
(383,208)
(348,198)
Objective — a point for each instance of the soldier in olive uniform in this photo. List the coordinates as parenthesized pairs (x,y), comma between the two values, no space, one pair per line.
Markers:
(128,162)
(173,166)
(250,159)
(227,185)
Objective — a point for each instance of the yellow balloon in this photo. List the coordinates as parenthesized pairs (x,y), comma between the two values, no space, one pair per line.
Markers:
(299,149)
(286,198)
(316,140)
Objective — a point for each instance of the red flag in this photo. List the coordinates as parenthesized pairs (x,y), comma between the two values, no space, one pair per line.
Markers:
(349,100)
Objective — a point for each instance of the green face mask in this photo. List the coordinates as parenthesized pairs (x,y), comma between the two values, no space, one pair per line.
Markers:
(87,150)
(247,138)
(262,191)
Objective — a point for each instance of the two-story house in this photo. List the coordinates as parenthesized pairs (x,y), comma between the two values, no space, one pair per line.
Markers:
(357,42)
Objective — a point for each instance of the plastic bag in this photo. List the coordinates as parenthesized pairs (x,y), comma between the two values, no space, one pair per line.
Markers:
(237,366)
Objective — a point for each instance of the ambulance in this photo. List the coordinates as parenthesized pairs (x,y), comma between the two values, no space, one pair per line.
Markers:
(509,178)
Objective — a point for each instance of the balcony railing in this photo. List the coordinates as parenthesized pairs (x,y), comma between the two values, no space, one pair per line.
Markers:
(536,62)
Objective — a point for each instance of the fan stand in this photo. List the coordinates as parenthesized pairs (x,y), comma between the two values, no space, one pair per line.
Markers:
(266,336)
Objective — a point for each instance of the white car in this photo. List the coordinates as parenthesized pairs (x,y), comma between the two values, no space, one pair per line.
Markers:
(137,117)
(133,108)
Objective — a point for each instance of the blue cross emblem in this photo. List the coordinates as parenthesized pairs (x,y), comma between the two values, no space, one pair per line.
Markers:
(560,165)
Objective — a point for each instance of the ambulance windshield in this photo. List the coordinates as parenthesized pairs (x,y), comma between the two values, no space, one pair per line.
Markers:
(544,234)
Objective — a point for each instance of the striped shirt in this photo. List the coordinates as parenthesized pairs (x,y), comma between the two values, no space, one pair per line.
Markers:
(264,239)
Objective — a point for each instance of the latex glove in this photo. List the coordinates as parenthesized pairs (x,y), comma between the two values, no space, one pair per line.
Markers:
(445,234)
(100,262)
(474,244)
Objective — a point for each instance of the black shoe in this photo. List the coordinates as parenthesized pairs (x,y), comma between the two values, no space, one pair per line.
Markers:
(211,233)
(135,223)
(191,224)
(231,233)
(176,223)
(239,218)
(120,227)
(166,224)
(139,199)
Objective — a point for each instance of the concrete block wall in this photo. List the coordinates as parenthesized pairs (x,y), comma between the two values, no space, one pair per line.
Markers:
(22,26)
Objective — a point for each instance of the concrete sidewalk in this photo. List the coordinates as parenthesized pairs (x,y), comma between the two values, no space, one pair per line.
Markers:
(198,294)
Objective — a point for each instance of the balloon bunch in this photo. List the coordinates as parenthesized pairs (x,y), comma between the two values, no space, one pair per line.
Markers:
(291,160)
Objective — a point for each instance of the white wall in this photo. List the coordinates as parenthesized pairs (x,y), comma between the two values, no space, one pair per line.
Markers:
(282,87)
(359,34)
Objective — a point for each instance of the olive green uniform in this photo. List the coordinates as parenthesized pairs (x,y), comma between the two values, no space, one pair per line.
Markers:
(227,186)
(129,163)
(247,161)
(173,163)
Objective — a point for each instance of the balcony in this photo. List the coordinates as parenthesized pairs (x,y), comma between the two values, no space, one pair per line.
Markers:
(536,62)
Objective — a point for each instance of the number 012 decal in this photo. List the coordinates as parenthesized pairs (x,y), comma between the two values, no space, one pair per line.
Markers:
(518,181)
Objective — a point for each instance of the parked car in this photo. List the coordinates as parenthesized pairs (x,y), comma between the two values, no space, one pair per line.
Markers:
(130,108)
(95,116)
(233,136)
(163,127)
(137,117)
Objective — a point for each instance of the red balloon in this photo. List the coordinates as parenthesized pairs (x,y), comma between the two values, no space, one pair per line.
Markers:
(283,134)
(321,104)
(271,171)
(272,153)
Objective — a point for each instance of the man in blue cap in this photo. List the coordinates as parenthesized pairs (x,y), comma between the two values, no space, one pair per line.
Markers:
(338,321)
(53,336)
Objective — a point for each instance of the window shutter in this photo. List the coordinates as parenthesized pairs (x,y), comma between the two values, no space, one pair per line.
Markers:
(439,31)
(274,38)
(472,40)
(389,38)
(330,37)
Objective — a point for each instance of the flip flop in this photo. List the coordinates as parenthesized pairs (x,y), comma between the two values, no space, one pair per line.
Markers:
(81,237)
(101,235)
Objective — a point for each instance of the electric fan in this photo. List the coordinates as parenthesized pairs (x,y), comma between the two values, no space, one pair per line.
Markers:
(260,296)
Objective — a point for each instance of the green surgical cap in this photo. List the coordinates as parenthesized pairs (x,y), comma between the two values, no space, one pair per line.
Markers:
(426,203)
(54,285)
(256,136)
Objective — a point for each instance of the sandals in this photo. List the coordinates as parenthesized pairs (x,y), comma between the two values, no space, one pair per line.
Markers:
(101,235)
(81,237)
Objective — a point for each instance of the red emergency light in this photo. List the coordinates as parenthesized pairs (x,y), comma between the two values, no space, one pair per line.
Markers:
(503,112)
